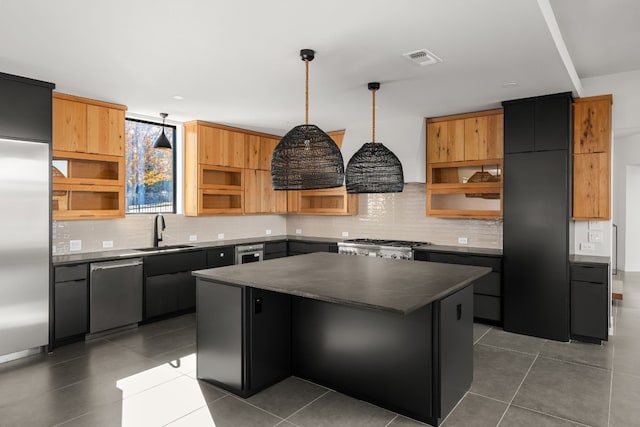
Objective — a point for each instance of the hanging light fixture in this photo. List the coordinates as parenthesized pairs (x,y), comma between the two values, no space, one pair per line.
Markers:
(374,168)
(162,142)
(306,158)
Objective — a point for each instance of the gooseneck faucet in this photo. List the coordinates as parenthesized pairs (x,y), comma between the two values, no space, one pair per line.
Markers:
(157,234)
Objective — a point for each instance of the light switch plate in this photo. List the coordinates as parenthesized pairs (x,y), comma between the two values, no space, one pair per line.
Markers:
(220,236)
(193,237)
(587,246)
(298,230)
(345,234)
(75,245)
(595,225)
(107,244)
(595,236)
(267,231)
(463,240)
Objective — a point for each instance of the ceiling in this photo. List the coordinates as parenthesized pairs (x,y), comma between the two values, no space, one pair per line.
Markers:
(237,62)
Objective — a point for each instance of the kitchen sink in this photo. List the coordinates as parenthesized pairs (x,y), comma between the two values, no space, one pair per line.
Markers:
(164,248)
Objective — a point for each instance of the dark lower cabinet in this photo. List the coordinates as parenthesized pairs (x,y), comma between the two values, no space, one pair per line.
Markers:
(244,339)
(70,314)
(169,286)
(273,250)
(590,302)
(487,290)
(307,247)
(220,257)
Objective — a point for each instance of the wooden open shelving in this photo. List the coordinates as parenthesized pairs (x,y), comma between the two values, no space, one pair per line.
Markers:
(332,201)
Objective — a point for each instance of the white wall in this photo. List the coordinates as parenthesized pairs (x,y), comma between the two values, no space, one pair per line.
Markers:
(625,88)
(632,241)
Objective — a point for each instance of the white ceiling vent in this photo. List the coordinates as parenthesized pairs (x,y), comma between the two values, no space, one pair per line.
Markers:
(422,57)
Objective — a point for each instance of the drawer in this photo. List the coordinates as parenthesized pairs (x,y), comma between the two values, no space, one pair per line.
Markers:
(310,247)
(275,247)
(464,259)
(488,285)
(421,255)
(69,273)
(220,257)
(487,307)
(590,273)
(155,265)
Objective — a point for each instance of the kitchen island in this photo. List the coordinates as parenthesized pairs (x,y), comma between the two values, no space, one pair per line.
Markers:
(396,333)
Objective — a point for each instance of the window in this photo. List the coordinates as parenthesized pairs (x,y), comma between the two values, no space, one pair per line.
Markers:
(150,179)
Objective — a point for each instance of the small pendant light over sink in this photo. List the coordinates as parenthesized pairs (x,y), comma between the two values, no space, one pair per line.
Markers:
(306,158)
(374,168)
(162,142)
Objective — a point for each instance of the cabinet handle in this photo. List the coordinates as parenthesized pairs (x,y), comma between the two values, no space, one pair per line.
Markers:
(459,311)
(222,255)
(257,305)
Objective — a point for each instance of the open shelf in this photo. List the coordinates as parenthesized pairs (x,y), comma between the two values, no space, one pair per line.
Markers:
(333,201)
(220,177)
(87,201)
(87,169)
(214,202)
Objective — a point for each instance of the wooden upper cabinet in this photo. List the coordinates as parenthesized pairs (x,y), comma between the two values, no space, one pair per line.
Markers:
(82,125)
(259,150)
(220,147)
(69,125)
(592,124)
(483,137)
(337,136)
(591,192)
(445,141)
(105,130)
(259,195)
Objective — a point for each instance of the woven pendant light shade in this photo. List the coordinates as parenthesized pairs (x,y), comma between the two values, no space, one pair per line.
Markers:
(306,158)
(374,168)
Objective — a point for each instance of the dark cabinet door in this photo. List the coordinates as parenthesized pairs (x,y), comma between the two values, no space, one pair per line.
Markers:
(589,314)
(220,257)
(273,250)
(70,308)
(552,123)
(298,248)
(161,294)
(156,265)
(186,290)
(519,124)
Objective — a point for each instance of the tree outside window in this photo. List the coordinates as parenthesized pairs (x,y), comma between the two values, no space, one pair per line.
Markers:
(150,181)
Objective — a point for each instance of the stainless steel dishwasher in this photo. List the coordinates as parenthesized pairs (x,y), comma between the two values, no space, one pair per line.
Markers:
(115,294)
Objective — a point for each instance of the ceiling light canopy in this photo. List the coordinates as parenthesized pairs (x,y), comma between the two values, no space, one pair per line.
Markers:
(162,142)
(374,168)
(306,158)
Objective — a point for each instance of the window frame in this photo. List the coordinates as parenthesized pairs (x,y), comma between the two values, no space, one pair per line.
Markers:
(173,142)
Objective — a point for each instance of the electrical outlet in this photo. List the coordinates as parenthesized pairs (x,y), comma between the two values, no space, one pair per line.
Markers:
(53,249)
(193,237)
(220,236)
(345,234)
(595,236)
(463,240)
(75,245)
(298,230)
(587,246)
(107,244)
(595,225)
(267,231)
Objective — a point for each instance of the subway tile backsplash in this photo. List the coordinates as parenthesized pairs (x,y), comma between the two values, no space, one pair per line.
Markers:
(388,216)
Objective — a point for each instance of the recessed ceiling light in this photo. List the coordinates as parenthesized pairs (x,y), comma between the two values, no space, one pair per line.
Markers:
(178,97)
(508,85)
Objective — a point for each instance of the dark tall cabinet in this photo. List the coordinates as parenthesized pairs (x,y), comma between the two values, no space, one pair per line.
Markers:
(536,216)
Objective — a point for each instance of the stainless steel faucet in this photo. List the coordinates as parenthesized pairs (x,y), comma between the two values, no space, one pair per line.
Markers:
(157,234)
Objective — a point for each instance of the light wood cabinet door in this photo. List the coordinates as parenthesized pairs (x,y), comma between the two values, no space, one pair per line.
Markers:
(259,195)
(337,136)
(258,151)
(69,125)
(445,141)
(592,124)
(220,147)
(105,130)
(483,137)
(591,193)
(267,145)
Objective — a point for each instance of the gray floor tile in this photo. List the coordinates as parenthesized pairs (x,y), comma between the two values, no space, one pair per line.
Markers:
(567,390)
(286,397)
(497,373)
(510,341)
(626,356)
(520,417)
(162,343)
(579,352)
(109,415)
(182,359)
(227,412)
(479,329)
(336,409)
(401,421)
(476,411)
(625,399)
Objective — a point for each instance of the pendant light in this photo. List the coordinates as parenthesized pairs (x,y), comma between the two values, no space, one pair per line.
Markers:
(162,142)
(374,168)
(306,158)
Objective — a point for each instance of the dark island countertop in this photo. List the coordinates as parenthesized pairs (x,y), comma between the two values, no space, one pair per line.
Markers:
(460,250)
(397,286)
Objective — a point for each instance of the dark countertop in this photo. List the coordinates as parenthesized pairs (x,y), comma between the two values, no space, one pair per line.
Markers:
(132,253)
(460,249)
(589,259)
(397,286)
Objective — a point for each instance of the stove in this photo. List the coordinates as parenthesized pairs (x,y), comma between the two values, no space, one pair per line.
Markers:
(380,248)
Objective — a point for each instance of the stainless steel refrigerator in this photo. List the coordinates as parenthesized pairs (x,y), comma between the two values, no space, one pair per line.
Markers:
(24,245)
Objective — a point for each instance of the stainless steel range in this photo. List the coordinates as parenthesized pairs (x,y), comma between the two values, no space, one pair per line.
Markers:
(397,249)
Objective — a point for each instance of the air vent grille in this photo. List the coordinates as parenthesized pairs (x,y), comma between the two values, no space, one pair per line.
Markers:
(422,57)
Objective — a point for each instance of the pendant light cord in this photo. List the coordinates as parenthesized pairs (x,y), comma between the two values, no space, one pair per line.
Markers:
(373,114)
(306,93)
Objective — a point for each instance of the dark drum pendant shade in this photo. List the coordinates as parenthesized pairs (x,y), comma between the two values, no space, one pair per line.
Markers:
(162,142)
(306,158)
(374,168)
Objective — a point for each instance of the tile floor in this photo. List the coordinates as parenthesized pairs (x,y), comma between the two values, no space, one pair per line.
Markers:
(146,377)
